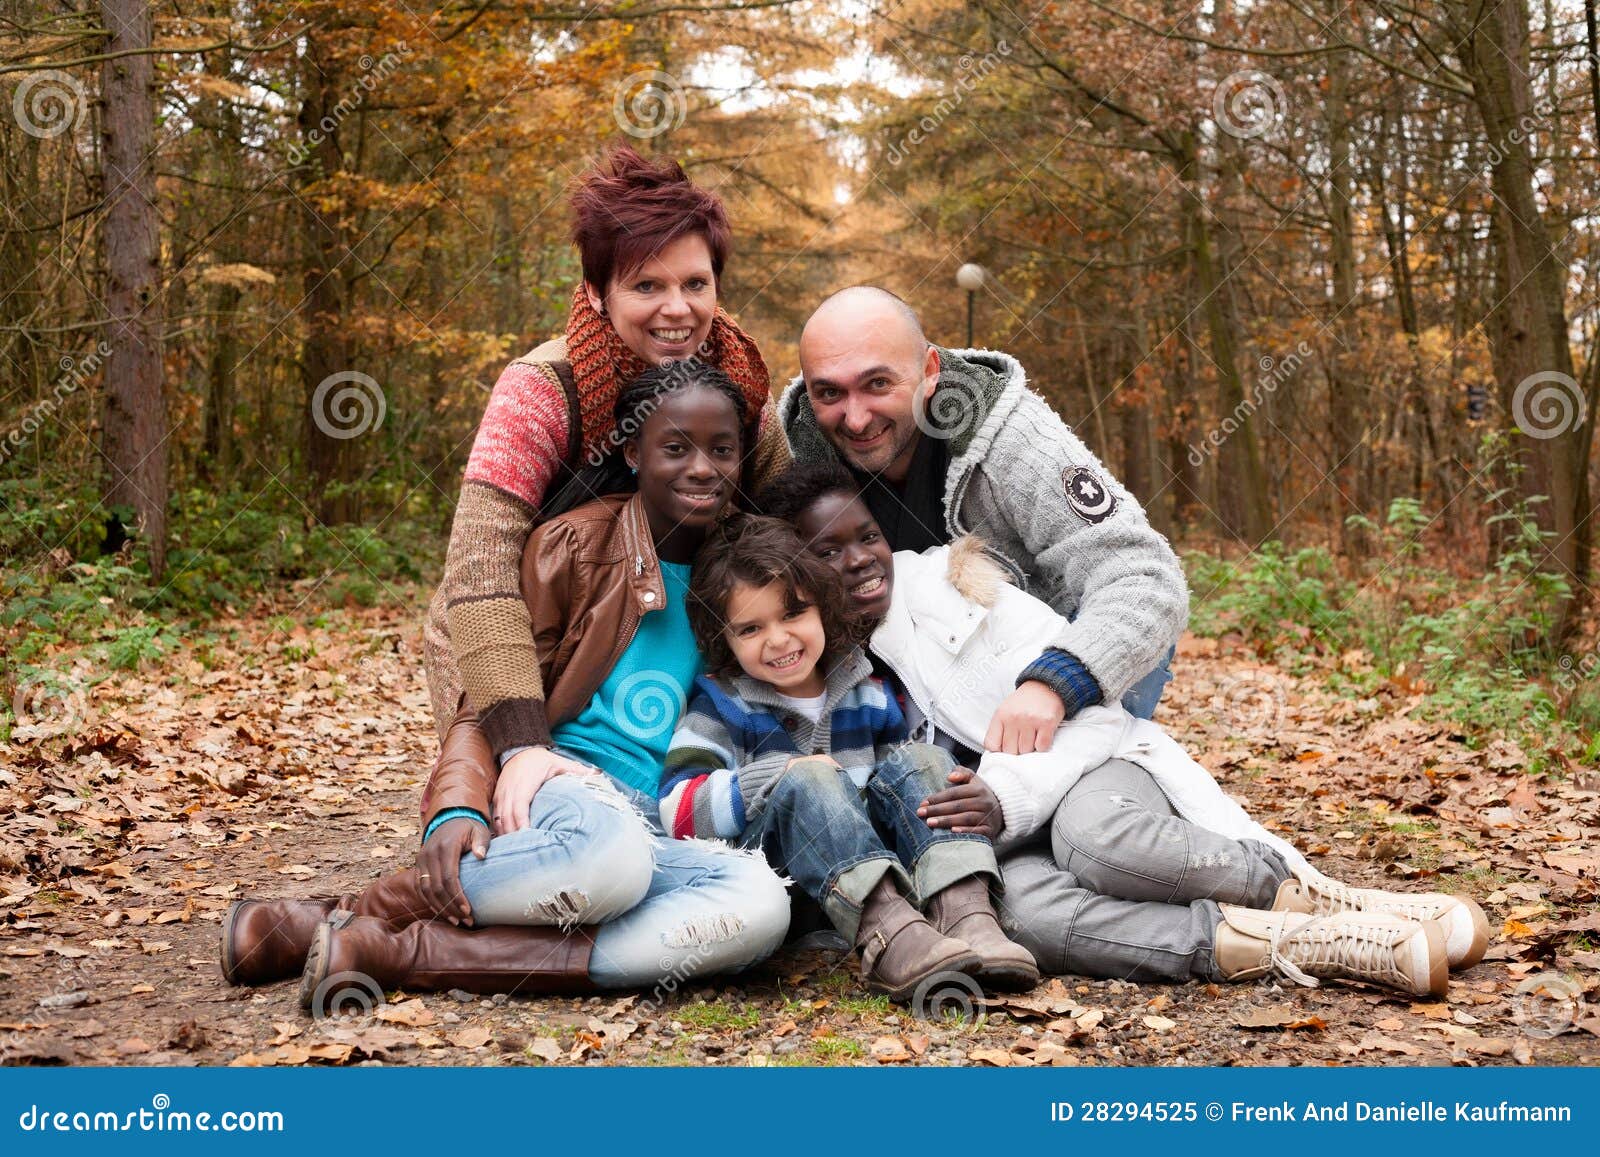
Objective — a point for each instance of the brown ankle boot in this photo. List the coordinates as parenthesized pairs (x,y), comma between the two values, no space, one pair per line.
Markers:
(362,953)
(267,940)
(964,910)
(900,949)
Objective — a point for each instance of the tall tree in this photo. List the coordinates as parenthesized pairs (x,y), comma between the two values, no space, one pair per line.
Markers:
(134,427)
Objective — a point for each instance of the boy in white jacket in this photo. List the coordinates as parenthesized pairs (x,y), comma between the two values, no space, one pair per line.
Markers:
(1125,857)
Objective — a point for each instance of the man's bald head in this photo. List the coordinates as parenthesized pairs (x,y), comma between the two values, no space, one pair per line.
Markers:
(864,357)
(861,304)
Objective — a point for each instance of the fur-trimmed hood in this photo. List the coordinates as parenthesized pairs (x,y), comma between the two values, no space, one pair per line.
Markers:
(974,572)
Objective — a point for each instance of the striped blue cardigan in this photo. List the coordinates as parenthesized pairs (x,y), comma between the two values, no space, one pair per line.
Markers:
(737,737)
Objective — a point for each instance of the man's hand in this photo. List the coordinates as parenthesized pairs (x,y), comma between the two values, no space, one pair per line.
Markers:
(520,780)
(439,866)
(970,806)
(1026,721)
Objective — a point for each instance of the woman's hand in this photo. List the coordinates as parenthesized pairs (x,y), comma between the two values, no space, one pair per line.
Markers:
(520,780)
(439,866)
(968,807)
(1026,722)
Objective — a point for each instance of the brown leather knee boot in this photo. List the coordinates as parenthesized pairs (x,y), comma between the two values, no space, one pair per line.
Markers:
(359,952)
(267,940)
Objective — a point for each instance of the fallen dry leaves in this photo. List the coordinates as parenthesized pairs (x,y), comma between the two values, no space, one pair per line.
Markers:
(290,762)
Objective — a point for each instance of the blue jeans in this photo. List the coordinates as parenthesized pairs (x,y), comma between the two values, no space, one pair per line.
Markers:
(838,841)
(1142,697)
(668,910)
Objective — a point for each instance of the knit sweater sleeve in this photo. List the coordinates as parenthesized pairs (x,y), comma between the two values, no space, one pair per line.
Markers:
(889,729)
(1092,553)
(700,783)
(719,773)
(521,442)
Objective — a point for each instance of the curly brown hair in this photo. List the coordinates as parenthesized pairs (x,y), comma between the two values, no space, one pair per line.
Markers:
(753,549)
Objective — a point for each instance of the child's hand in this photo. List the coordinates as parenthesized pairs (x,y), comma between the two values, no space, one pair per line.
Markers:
(1026,722)
(828,759)
(969,807)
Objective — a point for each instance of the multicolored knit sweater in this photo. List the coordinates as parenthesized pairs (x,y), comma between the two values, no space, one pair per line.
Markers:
(737,737)
(479,639)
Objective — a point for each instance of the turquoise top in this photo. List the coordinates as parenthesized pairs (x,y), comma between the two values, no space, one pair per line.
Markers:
(627,727)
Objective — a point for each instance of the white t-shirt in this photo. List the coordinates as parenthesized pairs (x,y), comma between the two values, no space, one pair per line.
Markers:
(810,707)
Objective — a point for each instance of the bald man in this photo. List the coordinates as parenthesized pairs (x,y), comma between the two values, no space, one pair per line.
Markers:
(952,442)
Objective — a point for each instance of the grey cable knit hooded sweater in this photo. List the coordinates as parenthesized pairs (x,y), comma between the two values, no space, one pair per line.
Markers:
(1051,513)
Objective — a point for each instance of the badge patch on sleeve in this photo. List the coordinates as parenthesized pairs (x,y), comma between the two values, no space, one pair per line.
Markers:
(1090,498)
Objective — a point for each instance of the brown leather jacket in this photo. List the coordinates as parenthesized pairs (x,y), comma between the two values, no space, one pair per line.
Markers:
(588,577)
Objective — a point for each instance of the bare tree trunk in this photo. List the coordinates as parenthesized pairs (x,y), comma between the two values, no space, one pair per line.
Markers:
(1528,330)
(1181,402)
(324,352)
(1349,471)
(134,433)
(1242,485)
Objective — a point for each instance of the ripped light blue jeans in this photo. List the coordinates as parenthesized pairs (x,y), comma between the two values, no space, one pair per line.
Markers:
(667,910)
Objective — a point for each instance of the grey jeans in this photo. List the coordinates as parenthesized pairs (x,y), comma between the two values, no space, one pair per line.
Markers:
(1127,888)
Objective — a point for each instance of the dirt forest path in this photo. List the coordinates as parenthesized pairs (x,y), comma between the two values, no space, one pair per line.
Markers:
(288,760)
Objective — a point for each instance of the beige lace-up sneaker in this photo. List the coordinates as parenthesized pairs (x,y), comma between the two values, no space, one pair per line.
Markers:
(1374,947)
(1466,928)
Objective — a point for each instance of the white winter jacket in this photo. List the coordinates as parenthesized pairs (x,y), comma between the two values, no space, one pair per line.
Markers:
(957,635)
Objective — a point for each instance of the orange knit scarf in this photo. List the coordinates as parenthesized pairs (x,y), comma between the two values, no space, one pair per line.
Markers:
(602,364)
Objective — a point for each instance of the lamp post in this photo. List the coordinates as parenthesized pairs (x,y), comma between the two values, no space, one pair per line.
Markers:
(970,278)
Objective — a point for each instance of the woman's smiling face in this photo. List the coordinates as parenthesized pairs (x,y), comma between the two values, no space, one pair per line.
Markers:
(687,454)
(839,529)
(663,309)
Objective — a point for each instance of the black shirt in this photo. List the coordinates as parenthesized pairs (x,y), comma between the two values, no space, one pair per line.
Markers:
(912,516)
